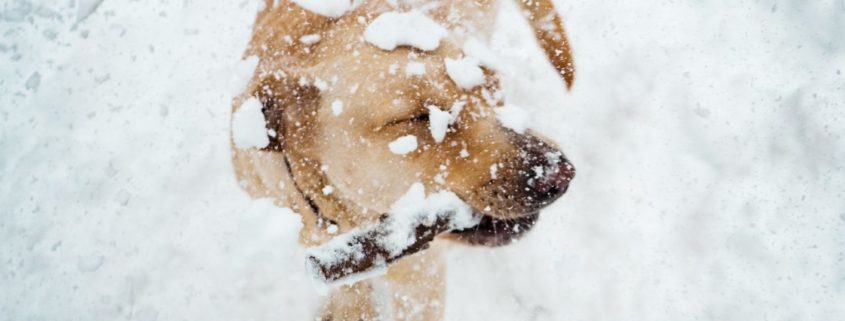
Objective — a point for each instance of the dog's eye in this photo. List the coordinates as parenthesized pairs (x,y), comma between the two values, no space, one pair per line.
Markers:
(419,118)
(415,118)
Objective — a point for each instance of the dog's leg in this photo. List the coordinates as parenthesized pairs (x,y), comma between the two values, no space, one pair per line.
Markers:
(548,29)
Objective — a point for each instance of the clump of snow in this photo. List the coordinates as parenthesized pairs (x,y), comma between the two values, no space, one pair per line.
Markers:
(337,107)
(403,145)
(414,208)
(248,125)
(327,189)
(513,117)
(465,72)
(455,111)
(438,123)
(477,49)
(328,8)
(412,28)
(310,39)
(415,69)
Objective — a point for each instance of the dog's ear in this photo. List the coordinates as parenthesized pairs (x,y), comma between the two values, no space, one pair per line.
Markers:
(283,97)
(548,29)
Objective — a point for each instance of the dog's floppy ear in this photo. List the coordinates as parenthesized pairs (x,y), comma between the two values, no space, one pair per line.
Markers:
(283,96)
(548,29)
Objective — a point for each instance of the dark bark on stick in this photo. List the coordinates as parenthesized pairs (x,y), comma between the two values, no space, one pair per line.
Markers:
(373,252)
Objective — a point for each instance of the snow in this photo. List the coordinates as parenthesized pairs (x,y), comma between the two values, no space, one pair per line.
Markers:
(465,72)
(473,47)
(328,8)
(414,207)
(240,75)
(513,117)
(248,125)
(412,28)
(403,145)
(337,107)
(415,69)
(708,138)
(310,39)
(439,121)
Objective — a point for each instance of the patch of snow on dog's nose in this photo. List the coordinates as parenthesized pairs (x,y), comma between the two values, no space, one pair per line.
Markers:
(465,72)
(412,28)
(403,145)
(248,128)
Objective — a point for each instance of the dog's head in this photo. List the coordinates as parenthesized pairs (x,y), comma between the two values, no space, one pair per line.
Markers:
(334,104)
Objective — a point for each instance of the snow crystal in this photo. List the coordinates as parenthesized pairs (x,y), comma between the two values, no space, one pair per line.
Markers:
(321,84)
(464,153)
(465,72)
(403,145)
(438,123)
(337,107)
(415,69)
(412,28)
(328,8)
(455,112)
(513,117)
(310,39)
(248,125)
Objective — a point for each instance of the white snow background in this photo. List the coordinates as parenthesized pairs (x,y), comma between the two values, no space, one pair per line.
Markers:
(709,138)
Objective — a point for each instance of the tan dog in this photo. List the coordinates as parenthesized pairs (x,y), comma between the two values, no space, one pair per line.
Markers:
(337,170)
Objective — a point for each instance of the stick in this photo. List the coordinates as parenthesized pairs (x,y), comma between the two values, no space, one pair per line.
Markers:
(364,250)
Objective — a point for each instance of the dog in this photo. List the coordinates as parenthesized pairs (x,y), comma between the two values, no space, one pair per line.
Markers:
(333,103)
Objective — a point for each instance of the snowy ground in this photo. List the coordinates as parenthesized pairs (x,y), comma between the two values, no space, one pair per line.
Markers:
(709,138)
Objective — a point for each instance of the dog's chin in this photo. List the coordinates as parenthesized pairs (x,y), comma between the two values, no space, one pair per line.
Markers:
(492,231)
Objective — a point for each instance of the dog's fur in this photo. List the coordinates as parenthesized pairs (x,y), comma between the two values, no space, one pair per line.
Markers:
(311,148)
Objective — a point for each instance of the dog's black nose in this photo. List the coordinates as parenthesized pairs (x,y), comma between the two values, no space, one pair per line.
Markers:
(548,174)
(552,179)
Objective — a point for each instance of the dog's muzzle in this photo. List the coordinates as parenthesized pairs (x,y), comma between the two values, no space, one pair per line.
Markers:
(545,177)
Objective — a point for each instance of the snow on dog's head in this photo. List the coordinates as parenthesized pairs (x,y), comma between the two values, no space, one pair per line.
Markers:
(394,98)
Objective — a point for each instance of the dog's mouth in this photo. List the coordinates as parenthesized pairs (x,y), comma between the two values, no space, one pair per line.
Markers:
(492,231)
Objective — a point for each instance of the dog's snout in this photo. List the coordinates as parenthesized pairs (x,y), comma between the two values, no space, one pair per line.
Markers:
(549,172)
(552,179)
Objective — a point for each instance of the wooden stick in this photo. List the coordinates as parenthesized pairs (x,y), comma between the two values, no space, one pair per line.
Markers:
(365,250)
